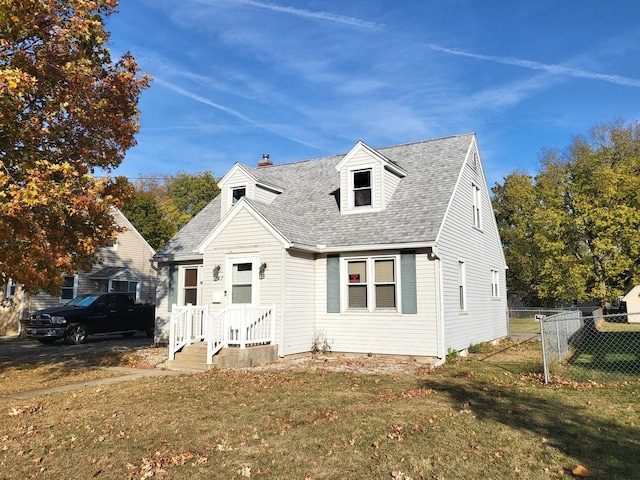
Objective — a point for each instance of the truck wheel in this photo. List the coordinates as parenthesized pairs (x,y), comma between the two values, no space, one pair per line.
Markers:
(47,341)
(75,334)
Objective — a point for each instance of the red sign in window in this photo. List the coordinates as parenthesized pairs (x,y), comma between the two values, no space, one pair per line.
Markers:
(354,278)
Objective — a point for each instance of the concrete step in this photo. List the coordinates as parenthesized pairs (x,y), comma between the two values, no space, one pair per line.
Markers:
(194,357)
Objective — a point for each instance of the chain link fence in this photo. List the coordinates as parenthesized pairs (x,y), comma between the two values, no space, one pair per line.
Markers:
(596,348)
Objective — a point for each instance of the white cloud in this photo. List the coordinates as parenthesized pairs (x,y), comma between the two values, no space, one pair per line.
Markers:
(304,13)
(230,111)
(553,69)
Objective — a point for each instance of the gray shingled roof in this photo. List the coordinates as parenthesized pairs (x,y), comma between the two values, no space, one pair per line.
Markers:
(307,211)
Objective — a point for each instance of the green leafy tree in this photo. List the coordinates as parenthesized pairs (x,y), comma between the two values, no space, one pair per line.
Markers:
(65,109)
(162,205)
(191,193)
(514,204)
(144,212)
(583,223)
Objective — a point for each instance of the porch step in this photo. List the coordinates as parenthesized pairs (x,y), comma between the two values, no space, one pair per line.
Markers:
(194,357)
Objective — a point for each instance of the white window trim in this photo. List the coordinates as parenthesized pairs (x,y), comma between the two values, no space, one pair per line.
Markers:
(371,284)
(11,289)
(495,284)
(75,289)
(476,199)
(114,247)
(254,261)
(462,285)
(350,207)
(181,277)
(230,194)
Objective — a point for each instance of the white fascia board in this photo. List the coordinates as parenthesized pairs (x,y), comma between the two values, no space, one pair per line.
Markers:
(234,169)
(455,190)
(359,248)
(392,167)
(242,204)
(135,231)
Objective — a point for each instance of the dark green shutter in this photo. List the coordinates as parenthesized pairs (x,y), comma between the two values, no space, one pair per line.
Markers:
(333,284)
(408,282)
(173,285)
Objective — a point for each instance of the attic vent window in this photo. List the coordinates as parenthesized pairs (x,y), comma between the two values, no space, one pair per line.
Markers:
(237,194)
(362,188)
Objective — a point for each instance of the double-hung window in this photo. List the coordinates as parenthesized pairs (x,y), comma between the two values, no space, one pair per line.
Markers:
(372,284)
(462,285)
(477,203)
(69,289)
(495,284)
(362,188)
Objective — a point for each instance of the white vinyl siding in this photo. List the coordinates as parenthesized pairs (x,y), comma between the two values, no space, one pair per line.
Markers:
(237,179)
(361,162)
(382,331)
(484,318)
(228,246)
(299,291)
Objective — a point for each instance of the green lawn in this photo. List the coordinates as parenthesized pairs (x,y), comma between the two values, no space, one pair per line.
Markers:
(485,416)
(524,325)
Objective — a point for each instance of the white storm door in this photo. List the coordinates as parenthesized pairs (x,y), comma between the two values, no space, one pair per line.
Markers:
(242,286)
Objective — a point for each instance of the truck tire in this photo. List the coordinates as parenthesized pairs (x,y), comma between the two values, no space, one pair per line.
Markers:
(76,334)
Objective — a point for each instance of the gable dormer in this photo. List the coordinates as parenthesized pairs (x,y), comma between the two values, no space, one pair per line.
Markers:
(242,181)
(367,180)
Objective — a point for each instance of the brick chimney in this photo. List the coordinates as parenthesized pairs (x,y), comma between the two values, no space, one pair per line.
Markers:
(265,162)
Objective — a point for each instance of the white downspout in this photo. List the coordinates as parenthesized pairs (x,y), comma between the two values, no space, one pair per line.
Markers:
(442,355)
(282,300)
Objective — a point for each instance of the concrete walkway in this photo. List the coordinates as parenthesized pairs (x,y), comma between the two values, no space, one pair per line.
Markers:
(128,374)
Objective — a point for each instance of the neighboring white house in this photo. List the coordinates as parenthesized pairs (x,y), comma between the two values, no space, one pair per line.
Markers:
(388,251)
(124,266)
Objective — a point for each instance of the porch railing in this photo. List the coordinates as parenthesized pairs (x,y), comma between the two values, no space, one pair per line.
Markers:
(188,325)
(234,325)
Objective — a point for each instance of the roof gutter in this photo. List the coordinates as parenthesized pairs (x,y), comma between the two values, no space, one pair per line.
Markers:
(358,248)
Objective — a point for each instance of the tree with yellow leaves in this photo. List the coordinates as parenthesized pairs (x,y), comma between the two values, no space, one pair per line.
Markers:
(572,232)
(66,109)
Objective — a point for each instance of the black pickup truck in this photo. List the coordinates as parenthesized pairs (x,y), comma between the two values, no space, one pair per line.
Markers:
(90,314)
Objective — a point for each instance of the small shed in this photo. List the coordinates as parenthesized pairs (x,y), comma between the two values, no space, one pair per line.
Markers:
(632,299)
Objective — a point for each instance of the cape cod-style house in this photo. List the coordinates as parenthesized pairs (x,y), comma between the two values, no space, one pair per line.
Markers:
(123,266)
(386,251)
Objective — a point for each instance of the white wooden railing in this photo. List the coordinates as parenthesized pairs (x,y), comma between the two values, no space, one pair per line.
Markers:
(237,325)
(188,325)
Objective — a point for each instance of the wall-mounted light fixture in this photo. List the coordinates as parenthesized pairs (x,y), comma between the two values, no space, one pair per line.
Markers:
(261,270)
(216,273)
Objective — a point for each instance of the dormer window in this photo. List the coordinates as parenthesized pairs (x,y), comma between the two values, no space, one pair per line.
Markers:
(237,193)
(362,188)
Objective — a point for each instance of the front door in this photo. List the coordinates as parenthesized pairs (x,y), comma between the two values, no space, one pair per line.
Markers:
(242,286)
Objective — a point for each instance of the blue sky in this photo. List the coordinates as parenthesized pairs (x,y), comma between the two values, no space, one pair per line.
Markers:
(234,79)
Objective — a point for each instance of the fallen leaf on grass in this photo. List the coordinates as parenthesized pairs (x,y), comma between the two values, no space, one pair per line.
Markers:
(580,471)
